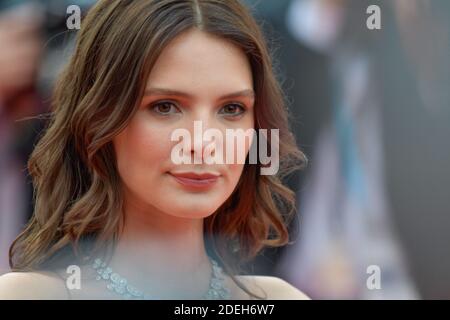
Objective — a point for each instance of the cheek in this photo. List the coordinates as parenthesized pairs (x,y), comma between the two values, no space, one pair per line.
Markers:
(140,151)
(234,174)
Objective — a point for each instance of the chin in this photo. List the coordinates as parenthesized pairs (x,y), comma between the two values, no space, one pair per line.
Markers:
(194,211)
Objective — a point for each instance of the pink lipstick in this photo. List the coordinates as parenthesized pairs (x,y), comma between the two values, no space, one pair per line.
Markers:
(196,180)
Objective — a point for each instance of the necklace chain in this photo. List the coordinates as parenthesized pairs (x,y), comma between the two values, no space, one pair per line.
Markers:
(120,285)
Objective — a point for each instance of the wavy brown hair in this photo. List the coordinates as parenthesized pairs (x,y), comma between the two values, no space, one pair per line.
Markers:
(77,186)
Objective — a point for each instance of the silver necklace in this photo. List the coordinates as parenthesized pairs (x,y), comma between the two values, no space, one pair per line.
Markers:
(118,284)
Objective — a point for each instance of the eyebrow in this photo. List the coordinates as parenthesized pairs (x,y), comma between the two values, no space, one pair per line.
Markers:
(162,91)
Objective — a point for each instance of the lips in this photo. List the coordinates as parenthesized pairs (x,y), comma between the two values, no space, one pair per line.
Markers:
(196,180)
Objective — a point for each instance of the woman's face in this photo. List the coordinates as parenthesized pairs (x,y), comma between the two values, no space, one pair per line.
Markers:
(197,77)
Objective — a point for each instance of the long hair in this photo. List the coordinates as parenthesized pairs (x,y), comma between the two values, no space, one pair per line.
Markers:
(73,166)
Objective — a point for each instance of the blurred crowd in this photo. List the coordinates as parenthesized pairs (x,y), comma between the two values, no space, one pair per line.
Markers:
(35,43)
(370,108)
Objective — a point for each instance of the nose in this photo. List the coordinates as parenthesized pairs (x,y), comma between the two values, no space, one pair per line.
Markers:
(199,141)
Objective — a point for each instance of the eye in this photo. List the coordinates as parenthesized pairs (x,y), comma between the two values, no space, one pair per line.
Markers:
(233,110)
(164,108)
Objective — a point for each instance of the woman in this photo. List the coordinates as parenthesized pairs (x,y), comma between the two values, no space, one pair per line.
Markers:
(110,199)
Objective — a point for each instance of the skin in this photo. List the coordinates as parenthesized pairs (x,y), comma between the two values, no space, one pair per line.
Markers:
(164,220)
(163,229)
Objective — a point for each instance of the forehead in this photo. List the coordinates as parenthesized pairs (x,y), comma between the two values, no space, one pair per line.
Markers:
(198,62)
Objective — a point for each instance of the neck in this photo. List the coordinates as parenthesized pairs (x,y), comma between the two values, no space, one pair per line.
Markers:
(158,250)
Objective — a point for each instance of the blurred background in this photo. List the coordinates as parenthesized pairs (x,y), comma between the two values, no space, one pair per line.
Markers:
(370,108)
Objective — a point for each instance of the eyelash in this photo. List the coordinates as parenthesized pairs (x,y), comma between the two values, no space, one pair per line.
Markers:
(155,105)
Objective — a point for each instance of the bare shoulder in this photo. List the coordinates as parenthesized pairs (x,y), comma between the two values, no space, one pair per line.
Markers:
(32,286)
(272,288)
